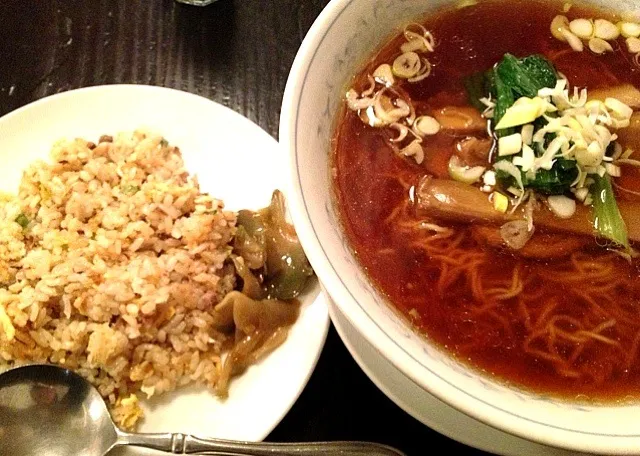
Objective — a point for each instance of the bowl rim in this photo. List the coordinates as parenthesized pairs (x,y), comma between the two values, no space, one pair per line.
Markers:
(464,401)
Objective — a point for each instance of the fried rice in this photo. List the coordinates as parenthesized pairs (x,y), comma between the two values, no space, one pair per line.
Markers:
(111,264)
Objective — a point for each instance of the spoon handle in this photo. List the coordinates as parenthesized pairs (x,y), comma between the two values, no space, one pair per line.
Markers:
(188,444)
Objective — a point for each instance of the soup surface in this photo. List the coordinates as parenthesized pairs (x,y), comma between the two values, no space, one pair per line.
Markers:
(565,323)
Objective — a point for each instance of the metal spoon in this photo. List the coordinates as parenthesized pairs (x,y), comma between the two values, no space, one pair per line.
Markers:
(50,411)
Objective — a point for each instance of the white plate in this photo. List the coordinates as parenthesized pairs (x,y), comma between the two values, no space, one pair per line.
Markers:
(234,160)
(425,407)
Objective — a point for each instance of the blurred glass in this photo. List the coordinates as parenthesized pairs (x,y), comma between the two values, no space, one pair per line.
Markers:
(196,2)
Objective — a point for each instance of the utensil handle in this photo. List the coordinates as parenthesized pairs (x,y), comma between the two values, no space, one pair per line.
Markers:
(188,444)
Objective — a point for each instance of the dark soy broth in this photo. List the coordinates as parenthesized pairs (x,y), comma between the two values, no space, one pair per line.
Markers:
(507,333)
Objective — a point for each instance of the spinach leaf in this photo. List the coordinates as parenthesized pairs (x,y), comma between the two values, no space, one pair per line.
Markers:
(510,79)
(554,181)
(526,76)
(540,70)
(476,86)
(515,77)
(503,98)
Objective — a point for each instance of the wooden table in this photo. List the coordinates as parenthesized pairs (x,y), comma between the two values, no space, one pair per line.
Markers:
(237,53)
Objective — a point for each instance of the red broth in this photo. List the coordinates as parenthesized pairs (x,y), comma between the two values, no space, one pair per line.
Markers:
(496,336)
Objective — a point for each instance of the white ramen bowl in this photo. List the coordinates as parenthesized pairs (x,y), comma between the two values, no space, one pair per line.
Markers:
(342,38)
